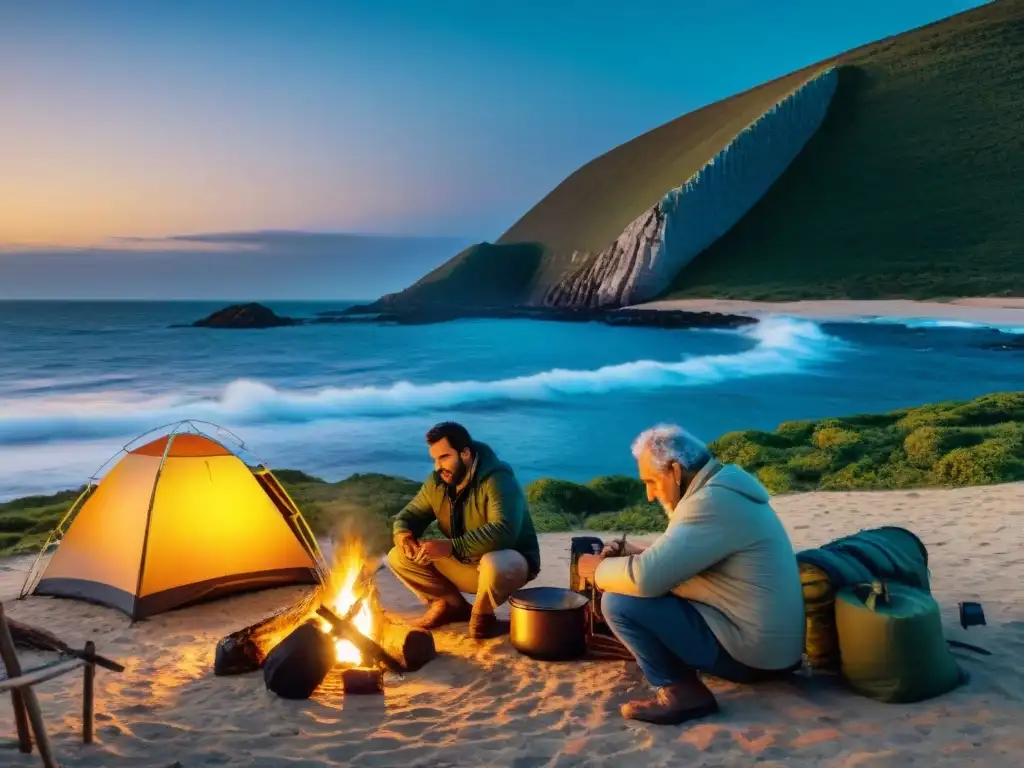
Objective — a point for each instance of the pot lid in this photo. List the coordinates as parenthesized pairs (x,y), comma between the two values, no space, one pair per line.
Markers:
(547,599)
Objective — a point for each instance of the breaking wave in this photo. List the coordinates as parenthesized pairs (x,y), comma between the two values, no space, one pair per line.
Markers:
(780,346)
(924,322)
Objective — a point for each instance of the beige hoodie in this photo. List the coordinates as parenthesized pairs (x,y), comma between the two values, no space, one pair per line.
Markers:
(726,551)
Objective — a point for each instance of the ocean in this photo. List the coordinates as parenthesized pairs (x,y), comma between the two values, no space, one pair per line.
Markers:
(81,380)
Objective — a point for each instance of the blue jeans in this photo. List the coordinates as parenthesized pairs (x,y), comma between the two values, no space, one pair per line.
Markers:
(670,639)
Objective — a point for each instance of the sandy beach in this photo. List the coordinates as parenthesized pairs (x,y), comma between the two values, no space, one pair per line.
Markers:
(482,703)
(983,311)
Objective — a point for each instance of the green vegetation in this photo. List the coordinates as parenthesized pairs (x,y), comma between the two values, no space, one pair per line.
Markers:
(907,190)
(949,444)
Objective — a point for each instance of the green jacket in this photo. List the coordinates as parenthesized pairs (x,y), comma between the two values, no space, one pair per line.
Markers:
(494,516)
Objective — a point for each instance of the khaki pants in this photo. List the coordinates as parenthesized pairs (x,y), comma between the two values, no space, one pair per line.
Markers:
(496,576)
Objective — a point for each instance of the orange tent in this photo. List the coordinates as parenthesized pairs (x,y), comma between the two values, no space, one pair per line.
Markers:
(176,521)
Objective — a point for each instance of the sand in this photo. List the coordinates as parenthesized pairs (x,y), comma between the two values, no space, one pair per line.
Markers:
(482,703)
(983,311)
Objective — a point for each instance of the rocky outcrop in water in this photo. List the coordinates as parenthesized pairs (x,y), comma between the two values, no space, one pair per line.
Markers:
(433,313)
(652,250)
(251,315)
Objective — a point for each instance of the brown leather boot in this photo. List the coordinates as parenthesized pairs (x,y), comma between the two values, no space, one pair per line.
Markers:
(484,626)
(674,704)
(441,612)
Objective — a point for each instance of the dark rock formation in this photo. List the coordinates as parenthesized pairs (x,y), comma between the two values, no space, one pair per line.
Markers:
(252,315)
(427,314)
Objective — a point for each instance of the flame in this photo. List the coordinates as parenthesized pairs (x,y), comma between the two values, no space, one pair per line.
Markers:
(349,559)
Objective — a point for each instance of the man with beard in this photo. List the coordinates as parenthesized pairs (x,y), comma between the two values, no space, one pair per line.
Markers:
(489,547)
(719,592)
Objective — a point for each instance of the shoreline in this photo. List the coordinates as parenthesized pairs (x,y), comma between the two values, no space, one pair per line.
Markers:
(978,310)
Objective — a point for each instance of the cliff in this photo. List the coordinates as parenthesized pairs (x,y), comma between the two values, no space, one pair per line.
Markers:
(651,251)
(890,170)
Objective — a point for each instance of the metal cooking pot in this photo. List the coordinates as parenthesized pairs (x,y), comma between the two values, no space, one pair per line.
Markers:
(549,623)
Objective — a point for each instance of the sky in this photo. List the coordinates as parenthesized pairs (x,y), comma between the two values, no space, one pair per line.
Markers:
(127,125)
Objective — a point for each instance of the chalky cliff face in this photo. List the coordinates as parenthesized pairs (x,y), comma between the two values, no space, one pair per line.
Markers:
(652,250)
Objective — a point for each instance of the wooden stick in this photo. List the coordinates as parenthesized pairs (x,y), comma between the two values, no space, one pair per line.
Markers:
(88,685)
(367,647)
(41,675)
(13,667)
(21,722)
(28,696)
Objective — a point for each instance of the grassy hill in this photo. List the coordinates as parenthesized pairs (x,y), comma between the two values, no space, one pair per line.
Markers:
(909,189)
(948,444)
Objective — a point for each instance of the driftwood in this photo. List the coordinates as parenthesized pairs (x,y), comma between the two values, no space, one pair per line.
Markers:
(26,636)
(410,646)
(367,648)
(362,680)
(26,705)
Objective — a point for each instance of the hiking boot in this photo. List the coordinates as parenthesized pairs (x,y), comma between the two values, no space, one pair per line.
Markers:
(674,704)
(484,626)
(441,612)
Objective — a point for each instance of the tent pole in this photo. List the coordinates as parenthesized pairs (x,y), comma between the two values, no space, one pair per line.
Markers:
(25,589)
(149,519)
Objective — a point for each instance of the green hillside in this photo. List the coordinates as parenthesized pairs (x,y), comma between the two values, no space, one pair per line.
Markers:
(942,445)
(910,188)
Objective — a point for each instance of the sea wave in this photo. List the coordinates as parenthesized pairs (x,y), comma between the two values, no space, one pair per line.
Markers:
(928,322)
(779,346)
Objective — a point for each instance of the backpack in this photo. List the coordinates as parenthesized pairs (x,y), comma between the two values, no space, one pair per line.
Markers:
(891,643)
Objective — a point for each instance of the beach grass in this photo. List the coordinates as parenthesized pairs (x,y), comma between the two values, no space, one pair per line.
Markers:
(947,444)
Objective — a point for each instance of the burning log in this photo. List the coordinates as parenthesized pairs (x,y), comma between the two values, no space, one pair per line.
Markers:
(410,646)
(362,680)
(367,648)
(297,665)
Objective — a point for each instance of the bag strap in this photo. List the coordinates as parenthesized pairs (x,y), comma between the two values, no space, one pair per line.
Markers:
(870,592)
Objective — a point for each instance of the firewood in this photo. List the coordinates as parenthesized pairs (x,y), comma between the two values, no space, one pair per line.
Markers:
(366,647)
(410,646)
(362,680)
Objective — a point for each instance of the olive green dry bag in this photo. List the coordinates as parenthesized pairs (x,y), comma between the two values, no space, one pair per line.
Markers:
(891,643)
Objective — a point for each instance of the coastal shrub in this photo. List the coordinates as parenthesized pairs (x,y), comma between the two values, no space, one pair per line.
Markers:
(750,449)
(834,436)
(639,518)
(17,523)
(795,432)
(550,519)
(8,542)
(618,491)
(926,445)
(567,496)
(997,460)
(809,464)
(775,479)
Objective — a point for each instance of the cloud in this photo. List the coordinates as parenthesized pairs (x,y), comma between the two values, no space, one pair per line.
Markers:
(251,265)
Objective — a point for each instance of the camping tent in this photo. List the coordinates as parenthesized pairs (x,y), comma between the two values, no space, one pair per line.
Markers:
(175,521)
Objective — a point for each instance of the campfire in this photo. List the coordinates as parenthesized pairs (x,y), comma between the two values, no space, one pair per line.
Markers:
(349,584)
(338,626)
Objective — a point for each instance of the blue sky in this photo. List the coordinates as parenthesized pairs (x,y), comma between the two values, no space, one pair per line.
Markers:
(444,118)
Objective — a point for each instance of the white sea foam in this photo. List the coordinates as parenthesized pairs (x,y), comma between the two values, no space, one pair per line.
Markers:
(929,322)
(781,345)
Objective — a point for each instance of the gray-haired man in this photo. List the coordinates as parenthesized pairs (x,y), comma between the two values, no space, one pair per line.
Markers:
(719,592)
